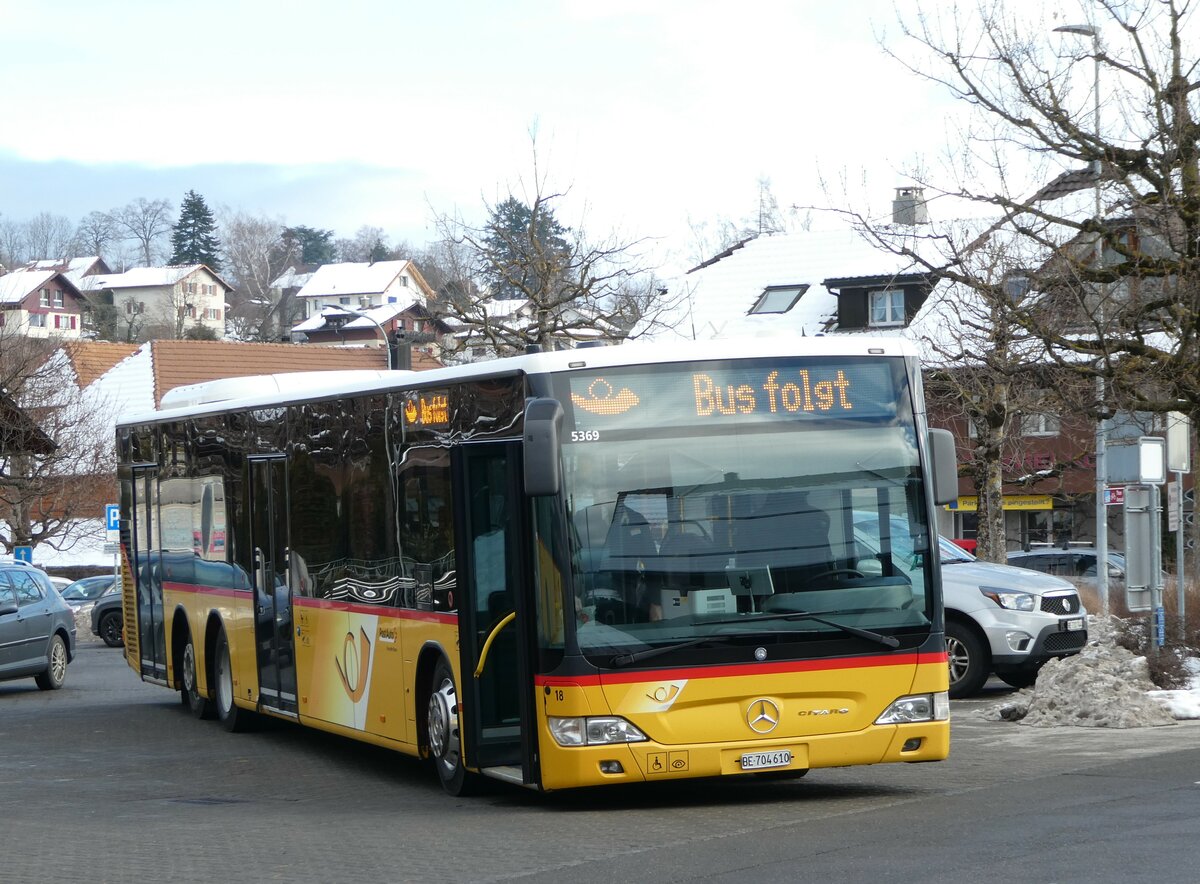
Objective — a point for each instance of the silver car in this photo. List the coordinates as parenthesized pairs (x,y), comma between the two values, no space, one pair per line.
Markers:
(999,620)
(37,628)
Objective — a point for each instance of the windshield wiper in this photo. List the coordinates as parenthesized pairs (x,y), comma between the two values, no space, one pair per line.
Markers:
(889,640)
(626,659)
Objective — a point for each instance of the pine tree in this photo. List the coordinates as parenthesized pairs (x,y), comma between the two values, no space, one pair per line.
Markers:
(194,238)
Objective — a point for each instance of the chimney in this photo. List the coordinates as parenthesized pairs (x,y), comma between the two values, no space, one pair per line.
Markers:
(909,206)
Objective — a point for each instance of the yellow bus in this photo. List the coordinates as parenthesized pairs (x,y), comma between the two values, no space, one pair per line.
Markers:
(562,569)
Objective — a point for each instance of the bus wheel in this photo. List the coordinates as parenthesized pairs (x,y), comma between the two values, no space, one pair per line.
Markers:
(445,735)
(232,717)
(189,692)
(969,663)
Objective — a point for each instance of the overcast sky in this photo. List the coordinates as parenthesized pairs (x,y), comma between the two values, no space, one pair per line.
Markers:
(339,114)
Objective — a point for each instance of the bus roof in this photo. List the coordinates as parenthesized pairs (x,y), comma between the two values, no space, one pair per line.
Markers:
(263,391)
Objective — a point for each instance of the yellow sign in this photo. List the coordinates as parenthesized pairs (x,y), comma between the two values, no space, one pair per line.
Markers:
(803,394)
(1011,502)
(432,410)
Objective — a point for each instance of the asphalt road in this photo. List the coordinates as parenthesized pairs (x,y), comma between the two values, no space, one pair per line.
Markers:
(110,780)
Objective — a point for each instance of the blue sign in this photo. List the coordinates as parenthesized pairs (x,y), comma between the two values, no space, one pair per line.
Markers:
(1160,626)
(23,554)
(112,517)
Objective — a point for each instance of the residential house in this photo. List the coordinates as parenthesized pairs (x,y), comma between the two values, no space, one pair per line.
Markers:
(40,304)
(371,304)
(165,302)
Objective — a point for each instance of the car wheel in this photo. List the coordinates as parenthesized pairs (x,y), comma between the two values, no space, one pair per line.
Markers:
(443,730)
(969,662)
(110,629)
(1021,679)
(56,666)
(232,717)
(189,690)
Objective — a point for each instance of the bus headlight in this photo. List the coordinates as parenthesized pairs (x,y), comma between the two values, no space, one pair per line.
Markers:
(594,731)
(917,708)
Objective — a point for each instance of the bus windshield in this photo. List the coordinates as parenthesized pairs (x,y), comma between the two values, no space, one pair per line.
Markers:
(715,505)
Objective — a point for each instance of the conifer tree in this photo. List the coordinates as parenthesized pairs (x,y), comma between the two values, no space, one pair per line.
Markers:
(194,238)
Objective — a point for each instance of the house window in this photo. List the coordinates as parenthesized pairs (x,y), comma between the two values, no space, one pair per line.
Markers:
(391,299)
(37,320)
(1039,424)
(778,298)
(404,282)
(3,317)
(1016,286)
(58,302)
(45,297)
(887,307)
(212,313)
(343,300)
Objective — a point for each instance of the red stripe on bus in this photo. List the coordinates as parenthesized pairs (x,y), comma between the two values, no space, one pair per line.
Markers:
(734,670)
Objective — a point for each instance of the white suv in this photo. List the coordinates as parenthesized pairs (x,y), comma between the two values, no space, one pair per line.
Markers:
(1005,620)
(999,619)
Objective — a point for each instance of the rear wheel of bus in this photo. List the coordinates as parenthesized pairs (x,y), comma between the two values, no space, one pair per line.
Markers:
(232,717)
(444,732)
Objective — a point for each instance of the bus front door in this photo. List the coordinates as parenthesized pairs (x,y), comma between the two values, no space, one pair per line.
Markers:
(148,634)
(495,611)
(273,637)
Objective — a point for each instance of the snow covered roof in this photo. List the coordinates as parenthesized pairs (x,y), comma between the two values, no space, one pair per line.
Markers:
(381,315)
(352,279)
(154,277)
(716,298)
(292,278)
(16,286)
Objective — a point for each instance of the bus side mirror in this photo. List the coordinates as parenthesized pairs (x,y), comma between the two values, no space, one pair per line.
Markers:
(543,427)
(944,464)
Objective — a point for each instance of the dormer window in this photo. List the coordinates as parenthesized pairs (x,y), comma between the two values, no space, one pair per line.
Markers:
(778,298)
(886,307)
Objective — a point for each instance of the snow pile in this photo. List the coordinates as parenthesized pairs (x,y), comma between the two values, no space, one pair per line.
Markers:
(1104,685)
(1183,704)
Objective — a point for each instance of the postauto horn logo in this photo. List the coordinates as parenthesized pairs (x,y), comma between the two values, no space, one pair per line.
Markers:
(602,399)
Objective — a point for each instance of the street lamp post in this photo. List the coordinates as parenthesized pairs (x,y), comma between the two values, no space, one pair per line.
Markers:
(387,345)
(1101,437)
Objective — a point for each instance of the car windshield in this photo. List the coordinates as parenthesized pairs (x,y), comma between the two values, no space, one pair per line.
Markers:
(684,535)
(87,589)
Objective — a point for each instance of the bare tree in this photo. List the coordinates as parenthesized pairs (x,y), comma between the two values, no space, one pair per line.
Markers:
(48,236)
(50,493)
(12,242)
(147,223)
(254,256)
(569,287)
(96,234)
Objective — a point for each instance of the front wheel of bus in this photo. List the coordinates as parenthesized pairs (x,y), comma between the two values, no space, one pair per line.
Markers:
(442,726)
(232,717)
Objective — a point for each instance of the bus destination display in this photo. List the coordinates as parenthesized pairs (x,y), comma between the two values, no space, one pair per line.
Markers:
(707,394)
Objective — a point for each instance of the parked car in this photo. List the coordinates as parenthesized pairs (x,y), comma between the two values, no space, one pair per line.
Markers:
(86,590)
(999,619)
(108,619)
(60,583)
(37,628)
(1073,562)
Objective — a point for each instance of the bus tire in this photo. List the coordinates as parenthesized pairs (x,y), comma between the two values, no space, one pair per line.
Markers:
(444,732)
(189,688)
(232,717)
(968,660)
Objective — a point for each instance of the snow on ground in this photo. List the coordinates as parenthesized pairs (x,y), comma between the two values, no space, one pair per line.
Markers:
(1104,685)
(86,548)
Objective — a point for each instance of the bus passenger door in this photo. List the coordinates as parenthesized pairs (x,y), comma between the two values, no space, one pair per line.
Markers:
(274,642)
(147,634)
(495,610)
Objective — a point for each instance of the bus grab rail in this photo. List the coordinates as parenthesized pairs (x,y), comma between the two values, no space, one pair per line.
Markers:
(487,645)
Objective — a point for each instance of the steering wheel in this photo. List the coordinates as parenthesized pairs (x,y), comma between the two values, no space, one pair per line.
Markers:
(834,572)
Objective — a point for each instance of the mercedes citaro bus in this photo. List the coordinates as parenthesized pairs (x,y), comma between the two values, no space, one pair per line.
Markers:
(562,569)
